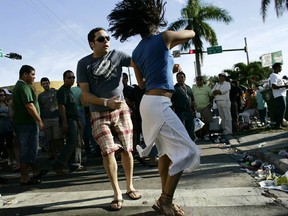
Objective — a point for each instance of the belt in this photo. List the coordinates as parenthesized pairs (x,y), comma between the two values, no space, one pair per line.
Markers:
(160,92)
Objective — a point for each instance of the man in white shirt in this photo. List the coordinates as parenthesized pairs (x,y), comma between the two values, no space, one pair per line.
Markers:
(279,94)
(221,96)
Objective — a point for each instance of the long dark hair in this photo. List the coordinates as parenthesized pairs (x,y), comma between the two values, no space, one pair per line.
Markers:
(133,17)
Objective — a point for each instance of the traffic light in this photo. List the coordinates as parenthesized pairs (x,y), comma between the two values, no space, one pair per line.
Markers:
(192,51)
(14,56)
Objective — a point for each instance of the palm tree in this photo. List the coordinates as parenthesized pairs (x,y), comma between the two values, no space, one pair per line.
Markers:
(250,74)
(195,16)
(279,7)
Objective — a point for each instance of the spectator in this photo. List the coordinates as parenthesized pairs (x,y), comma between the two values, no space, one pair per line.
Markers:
(50,115)
(6,129)
(76,161)
(279,94)
(261,105)
(250,106)
(27,123)
(183,103)
(68,122)
(221,95)
(203,104)
(235,98)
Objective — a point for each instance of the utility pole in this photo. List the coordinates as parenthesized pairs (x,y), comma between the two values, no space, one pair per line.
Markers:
(129,75)
(246,50)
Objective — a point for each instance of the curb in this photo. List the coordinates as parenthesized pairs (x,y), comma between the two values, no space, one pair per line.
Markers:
(280,163)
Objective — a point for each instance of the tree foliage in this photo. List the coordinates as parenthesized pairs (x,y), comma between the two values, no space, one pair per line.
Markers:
(280,7)
(250,74)
(195,16)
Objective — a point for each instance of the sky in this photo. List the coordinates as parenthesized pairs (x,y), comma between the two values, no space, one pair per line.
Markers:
(51,36)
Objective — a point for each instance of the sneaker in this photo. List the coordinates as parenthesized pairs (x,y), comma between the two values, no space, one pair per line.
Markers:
(79,168)
(58,169)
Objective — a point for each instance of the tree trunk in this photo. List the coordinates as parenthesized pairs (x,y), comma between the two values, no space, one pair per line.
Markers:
(198,65)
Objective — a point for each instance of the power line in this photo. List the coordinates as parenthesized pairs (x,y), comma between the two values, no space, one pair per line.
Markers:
(58,18)
(56,24)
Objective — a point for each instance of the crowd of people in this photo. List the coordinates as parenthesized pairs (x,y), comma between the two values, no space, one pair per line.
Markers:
(104,110)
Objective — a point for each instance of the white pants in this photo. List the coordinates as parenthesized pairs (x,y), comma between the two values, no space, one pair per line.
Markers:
(161,126)
(225,115)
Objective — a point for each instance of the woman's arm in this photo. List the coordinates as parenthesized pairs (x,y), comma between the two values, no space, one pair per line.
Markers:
(139,77)
(173,38)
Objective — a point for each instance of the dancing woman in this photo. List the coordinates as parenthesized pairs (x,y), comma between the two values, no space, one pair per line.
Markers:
(153,66)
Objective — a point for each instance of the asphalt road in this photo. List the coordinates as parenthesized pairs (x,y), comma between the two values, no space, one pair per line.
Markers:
(217,187)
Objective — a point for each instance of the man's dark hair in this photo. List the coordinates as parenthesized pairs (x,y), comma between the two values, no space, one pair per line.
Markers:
(125,75)
(91,34)
(133,17)
(180,73)
(25,69)
(66,72)
(44,79)
(275,65)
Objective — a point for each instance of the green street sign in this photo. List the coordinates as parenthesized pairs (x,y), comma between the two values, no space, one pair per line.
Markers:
(214,50)
(269,59)
(277,57)
(1,53)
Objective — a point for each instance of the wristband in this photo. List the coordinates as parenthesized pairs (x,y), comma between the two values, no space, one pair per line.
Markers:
(105,102)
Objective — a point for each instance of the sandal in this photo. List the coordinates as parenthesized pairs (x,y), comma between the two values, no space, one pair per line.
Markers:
(31,181)
(134,195)
(41,174)
(117,204)
(165,206)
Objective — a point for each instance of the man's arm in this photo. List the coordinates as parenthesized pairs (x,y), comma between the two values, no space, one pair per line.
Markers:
(274,86)
(112,103)
(62,114)
(33,112)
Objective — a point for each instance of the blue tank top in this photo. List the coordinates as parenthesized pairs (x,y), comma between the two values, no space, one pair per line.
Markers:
(155,62)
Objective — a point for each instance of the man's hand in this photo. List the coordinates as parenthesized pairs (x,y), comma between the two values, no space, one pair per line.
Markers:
(64,128)
(41,125)
(115,103)
(217,92)
(176,68)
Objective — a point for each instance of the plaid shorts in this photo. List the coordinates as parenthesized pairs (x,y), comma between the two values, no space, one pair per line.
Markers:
(113,130)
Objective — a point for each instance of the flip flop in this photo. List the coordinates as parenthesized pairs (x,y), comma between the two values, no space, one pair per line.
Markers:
(31,181)
(119,204)
(134,195)
(41,173)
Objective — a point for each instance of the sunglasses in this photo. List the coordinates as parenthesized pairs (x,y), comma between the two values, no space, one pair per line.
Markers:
(101,39)
(71,77)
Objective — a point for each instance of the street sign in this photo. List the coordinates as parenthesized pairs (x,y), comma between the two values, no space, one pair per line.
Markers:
(277,57)
(1,53)
(269,59)
(214,50)
(176,53)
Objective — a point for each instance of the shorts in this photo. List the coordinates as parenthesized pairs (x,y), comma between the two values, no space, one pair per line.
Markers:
(113,130)
(52,129)
(27,136)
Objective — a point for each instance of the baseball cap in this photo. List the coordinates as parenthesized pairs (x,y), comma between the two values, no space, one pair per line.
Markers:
(223,74)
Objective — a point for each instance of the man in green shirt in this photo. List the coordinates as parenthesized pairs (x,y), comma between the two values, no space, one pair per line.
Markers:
(27,123)
(202,102)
